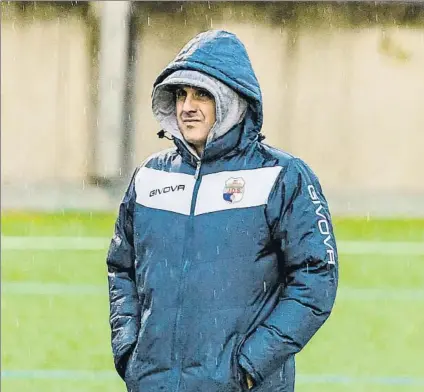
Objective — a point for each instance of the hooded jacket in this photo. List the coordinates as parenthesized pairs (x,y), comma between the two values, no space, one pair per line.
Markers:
(222,264)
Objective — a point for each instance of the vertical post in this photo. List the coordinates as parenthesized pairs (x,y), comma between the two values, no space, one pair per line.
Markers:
(113,63)
(128,150)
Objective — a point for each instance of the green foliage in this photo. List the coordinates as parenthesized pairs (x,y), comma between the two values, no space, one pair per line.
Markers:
(42,10)
(300,14)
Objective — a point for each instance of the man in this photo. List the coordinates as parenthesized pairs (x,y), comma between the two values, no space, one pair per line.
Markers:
(224,263)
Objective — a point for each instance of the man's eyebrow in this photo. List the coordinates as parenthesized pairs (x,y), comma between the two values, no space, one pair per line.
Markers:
(205,91)
(175,89)
(181,87)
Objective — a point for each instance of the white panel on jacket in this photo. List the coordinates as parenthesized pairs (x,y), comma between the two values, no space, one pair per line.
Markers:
(164,191)
(235,189)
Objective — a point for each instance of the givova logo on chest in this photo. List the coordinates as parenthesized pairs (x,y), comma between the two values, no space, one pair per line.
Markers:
(166,189)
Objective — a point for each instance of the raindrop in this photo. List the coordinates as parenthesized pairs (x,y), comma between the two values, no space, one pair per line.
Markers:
(264,286)
(148,20)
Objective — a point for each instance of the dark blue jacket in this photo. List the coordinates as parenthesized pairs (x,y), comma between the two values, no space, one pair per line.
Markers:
(223,264)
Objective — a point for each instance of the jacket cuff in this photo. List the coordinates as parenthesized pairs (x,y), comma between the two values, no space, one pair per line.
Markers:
(248,367)
(121,362)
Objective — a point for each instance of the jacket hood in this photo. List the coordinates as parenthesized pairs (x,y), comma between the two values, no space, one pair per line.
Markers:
(221,55)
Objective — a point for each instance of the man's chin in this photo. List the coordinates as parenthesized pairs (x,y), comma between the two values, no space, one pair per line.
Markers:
(194,143)
(191,139)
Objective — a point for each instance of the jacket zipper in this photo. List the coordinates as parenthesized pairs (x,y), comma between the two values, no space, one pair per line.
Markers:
(185,269)
(196,175)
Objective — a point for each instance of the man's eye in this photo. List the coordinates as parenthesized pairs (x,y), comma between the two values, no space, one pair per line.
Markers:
(203,94)
(179,94)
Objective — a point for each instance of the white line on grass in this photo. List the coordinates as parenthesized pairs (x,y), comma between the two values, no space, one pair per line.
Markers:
(360,380)
(59,375)
(380,294)
(344,293)
(38,288)
(381,248)
(101,243)
(54,243)
(81,375)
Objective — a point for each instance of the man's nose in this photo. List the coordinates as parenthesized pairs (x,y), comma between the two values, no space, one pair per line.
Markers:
(189,104)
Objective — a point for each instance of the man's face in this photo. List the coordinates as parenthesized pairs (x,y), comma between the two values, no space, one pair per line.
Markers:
(195,115)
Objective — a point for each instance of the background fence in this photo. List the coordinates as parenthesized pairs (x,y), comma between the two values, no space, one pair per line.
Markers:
(342,84)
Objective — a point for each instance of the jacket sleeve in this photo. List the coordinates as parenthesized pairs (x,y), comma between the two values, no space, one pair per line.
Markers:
(301,225)
(124,308)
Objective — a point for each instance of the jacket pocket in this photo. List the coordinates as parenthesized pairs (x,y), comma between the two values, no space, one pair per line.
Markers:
(282,380)
(145,302)
(225,375)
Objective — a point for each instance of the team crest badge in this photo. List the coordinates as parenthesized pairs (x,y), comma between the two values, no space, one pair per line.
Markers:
(234,190)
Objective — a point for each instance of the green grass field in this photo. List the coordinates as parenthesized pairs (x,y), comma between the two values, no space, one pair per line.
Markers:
(55,332)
